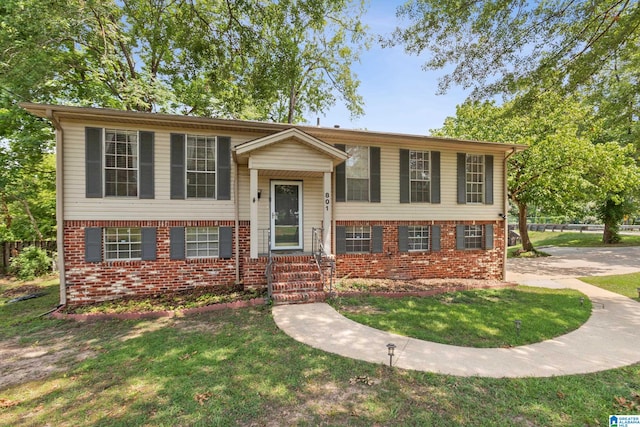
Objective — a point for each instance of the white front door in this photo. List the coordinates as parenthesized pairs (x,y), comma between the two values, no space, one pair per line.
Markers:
(286,215)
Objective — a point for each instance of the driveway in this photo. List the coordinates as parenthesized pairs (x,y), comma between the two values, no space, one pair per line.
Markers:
(575,262)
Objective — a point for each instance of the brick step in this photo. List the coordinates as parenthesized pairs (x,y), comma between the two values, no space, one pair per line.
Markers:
(296,276)
(299,298)
(311,266)
(293,287)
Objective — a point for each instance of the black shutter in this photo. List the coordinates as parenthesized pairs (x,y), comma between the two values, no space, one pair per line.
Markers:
(435,238)
(377,246)
(341,239)
(488,236)
(404,177)
(462,178)
(460,237)
(488,180)
(225,242)
(93,244)
(147,190)
(403,238)
(93,162)
(374,174)
(224,168)
(341,177)
(177,166)
(176,243)
(435,177)
(148,243)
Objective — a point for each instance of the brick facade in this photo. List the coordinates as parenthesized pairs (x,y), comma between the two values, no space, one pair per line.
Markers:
(448,262)
(88,282)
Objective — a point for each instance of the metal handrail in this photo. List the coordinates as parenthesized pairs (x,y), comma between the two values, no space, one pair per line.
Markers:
(320,256)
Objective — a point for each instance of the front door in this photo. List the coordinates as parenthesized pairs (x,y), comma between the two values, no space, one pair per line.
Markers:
(286,215)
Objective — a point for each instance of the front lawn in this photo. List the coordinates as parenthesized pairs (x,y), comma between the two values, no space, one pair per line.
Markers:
(477,318)
(540,239)
(235,367)
(623,284)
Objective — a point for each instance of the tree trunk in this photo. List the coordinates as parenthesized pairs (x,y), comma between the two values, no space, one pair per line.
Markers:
(5,210)
(522,227)
(292,104)
(34,223)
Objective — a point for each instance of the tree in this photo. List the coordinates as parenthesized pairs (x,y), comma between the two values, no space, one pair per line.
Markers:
(509,46)
(247,59)
(550,173)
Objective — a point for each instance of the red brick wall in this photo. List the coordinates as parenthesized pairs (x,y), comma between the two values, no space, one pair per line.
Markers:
(90,282)
(446,263)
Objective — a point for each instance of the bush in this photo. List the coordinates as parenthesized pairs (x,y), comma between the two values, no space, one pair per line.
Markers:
(30,263)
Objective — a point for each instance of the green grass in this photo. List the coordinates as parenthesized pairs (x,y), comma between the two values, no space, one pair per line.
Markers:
(540,239)
(623,284)
(236,367)
(478,318)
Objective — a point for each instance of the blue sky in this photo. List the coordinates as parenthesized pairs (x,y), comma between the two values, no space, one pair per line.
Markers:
(399,95)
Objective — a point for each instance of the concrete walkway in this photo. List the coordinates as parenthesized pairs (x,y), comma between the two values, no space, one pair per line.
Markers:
(609,339)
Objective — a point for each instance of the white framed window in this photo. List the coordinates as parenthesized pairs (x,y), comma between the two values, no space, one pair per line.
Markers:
(419,176)
(475,178)
(357,173)
(122,243)
(120,163)
(357,238)
(473,236)
(201,166)
(419,238)
(202,242)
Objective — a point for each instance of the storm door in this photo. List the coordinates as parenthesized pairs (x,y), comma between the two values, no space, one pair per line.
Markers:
(286,215)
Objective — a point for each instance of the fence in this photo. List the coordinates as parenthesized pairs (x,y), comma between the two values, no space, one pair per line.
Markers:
(11,249)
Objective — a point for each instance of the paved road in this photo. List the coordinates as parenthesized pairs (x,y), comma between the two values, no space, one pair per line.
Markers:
(609,339)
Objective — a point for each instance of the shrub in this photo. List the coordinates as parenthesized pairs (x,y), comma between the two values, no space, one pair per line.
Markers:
(30,263)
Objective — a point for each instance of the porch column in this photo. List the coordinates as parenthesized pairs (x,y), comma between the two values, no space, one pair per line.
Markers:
(327,212)
(253,212)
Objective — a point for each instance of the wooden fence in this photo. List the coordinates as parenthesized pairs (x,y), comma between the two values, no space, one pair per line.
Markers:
(11,249)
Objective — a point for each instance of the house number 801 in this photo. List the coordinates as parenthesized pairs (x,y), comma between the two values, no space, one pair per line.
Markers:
(327,200)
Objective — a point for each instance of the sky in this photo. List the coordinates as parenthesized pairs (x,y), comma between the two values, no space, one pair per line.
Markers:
(399,96)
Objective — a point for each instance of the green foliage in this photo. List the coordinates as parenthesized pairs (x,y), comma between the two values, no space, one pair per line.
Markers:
(30,263)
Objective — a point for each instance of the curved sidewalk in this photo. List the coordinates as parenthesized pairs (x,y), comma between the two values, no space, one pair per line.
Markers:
(609,339)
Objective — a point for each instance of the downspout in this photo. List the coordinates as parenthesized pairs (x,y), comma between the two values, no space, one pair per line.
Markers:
(236,212)
(506,210)
(59,204)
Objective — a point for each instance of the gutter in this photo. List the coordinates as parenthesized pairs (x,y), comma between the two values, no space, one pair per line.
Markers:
(513,151)
(236,209)
(59,204)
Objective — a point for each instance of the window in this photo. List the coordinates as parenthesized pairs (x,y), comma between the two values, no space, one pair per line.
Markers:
(121,163)
(357,173)
(202,242)
(473,237)
(358,238)
(418,238)
(201,166)
(419,177)
(475,178)
(122,243)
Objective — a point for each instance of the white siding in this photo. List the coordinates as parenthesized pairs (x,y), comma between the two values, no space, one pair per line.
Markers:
(78,207)
(283,159)
(290,156)
(390,207)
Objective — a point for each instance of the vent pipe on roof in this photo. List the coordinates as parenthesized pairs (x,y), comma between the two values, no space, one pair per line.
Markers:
(318,122)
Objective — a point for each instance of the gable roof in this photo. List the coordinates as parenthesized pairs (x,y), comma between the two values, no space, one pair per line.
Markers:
(242,152)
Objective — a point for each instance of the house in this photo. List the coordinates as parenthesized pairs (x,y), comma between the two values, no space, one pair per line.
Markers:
(150,203)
